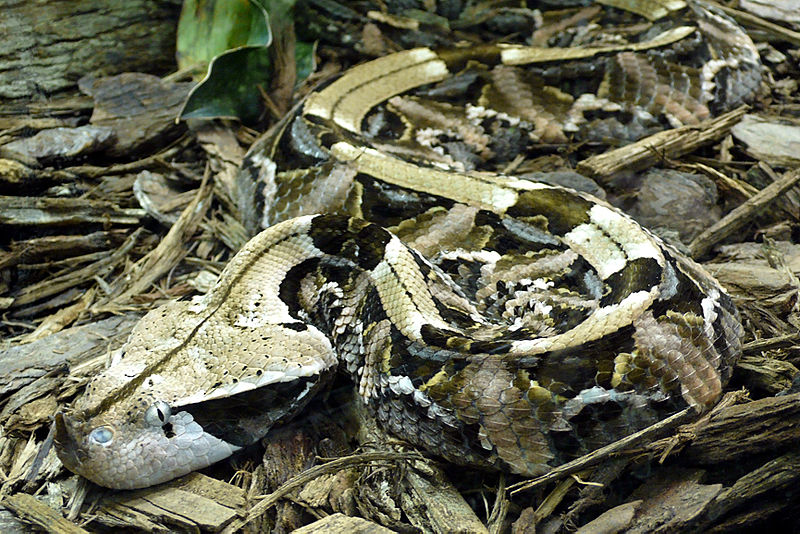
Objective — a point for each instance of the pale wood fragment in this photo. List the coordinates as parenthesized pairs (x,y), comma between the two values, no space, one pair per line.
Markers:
(341,524)
(192,502)
(33,511)
(438,504)
(616,519)
(36,211)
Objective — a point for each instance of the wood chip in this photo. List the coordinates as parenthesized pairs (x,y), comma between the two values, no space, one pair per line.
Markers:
(33,511)
(341,524)
(668,144)
(737,218)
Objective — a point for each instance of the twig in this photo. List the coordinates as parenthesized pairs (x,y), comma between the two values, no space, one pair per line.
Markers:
(776,32)
(744,213)
(598,455)
(668,144)
(777,342)
(497,518)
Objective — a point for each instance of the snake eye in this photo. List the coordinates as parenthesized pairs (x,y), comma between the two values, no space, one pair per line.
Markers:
(158,413)
(102,435)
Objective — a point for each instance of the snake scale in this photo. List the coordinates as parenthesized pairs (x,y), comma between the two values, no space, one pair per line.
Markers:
(491,320)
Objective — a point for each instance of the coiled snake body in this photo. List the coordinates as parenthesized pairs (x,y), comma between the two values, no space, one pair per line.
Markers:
(501,322)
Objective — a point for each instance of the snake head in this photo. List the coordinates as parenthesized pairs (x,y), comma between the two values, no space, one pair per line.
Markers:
(149,448)
(189,389)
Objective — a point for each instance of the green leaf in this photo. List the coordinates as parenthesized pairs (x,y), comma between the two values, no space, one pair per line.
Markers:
(230,90)
(304,59)
(207,28)
(236,78)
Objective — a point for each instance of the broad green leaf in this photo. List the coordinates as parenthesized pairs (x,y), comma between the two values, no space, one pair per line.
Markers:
(231,88)
(208,28)
(236,77)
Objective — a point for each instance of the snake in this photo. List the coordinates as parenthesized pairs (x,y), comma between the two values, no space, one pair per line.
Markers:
(491,320)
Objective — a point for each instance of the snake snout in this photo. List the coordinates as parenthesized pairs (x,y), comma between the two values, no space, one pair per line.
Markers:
(67,447)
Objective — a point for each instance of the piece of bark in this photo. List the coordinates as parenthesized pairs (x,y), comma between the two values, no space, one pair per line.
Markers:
(49,45)
(24,399)
(612,521)
(193,502)
(434,504)
(335,491)
(652,149)
(22,364)
(13,172)
(139,108)
(770,375)
(592,494)
(775,475)
(75,277)
(754,519)
(33,511)
(672,501)
(288,451)
(525,522)
(10,524)
(36,211)
(769,139)
(737,218)
(55,247)
(341,524)
(747,429)
(61,144)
